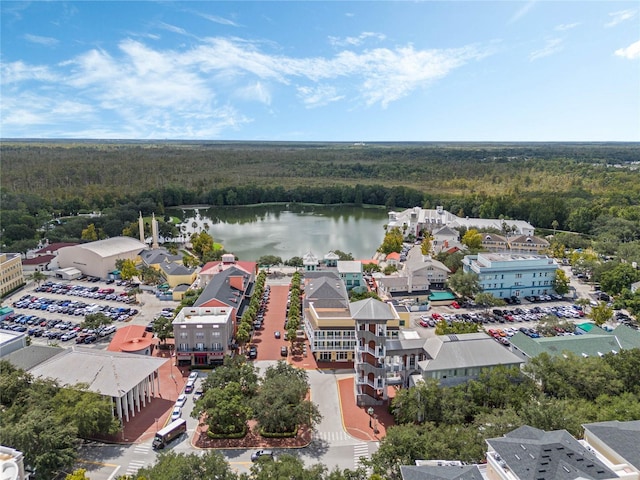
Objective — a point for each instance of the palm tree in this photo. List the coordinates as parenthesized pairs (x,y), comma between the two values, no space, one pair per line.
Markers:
(37,277)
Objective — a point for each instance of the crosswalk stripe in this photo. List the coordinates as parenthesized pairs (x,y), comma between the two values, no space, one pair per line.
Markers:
(360,450)
(331,436)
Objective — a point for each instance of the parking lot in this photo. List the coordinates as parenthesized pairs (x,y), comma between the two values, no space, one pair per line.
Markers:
(501,322)
(51,313)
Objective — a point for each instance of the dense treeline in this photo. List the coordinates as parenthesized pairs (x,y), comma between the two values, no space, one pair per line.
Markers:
(562,392)
(583,188)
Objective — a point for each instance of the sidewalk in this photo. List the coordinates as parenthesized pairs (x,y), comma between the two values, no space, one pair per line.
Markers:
(356,420)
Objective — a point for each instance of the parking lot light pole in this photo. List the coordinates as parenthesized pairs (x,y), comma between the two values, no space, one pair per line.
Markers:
(370,412)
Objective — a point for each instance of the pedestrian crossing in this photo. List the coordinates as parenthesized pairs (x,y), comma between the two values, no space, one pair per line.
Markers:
(134,466)
(331,437)
(360,451)
(142,449)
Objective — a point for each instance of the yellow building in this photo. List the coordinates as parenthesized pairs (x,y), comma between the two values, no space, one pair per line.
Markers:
(11,276)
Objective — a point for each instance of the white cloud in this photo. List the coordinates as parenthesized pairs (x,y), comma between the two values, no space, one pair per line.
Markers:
(217,19)
(46,41)
(257,91)
(174,29)
(145,91)
(17,72)
(521,12)
(552,45)
(355,41)
(566,26)
(619,17)
(631,52)
(318,96)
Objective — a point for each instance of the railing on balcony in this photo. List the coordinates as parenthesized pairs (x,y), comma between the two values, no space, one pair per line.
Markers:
(378,352)
(194,349)
(376,383)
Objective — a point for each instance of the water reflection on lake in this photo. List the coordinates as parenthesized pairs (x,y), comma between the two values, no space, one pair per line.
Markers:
(290,230)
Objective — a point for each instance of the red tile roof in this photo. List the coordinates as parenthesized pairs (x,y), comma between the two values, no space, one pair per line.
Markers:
(39,260)
(54,247)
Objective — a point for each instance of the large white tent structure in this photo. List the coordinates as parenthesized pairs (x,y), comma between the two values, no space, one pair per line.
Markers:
(98,258)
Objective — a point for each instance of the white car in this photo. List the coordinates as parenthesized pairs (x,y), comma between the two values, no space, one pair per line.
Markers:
(182,399)
(176,414)
(193,376)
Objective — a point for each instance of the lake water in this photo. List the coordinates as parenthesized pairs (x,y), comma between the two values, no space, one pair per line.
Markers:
(290,230)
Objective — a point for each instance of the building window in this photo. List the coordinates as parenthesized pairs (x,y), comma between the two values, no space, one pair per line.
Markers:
(184,335)
(518,275)
(200,335)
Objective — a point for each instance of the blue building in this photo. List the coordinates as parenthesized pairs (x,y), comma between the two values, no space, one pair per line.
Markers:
(506,275)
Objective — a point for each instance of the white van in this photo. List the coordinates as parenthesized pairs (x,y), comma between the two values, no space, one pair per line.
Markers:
(108,330)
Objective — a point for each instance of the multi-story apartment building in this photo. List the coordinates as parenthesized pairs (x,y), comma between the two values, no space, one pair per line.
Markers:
(11,276)
(414,220)
(327,319)
(375,323)
(203,335)
(507,275)
(351,273)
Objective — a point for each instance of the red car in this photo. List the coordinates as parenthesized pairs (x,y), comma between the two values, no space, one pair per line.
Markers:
(436,316)
(423,323)
(455,304)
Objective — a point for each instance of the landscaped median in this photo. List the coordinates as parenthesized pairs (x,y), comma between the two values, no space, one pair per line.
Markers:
(240,410)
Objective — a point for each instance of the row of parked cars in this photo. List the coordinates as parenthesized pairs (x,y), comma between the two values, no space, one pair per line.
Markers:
(76,308)
(53,329)
(85,292)
(497,315)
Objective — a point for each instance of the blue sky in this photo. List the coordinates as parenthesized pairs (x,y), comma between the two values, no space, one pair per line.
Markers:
(322,71)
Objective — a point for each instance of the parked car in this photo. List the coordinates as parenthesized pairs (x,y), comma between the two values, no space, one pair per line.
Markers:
(253,352)
(182,399)
(260,454)
(276,334)
(176,413)
(284,351)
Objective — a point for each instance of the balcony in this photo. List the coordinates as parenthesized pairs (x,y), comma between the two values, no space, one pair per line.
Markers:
(376,384)
(195,350)
(394,379)
(378,352)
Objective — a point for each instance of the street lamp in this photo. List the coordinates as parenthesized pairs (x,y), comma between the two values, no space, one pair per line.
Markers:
(370,412)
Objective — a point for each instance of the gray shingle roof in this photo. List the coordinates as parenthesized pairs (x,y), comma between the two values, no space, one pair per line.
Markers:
(593,343)
(456,472)
(371,309)
(622,437)
(326,291)
(220,288)
(533,454)
(108,373)
(28,357)
(465,351)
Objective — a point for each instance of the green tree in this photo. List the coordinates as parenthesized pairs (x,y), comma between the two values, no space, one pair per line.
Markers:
(392,241)
(280,405)
(127,268)
(297,262)
(472,239)
(425,246)
(79,474)
(163,328)
(619,278)
(270,260)
(443,328)
(37,277)
(225,408)
(95,320)
(179,466)
(488,300)
(464,284)
(601,313)
(342,255)
(561,282)
(369,268)
(90,233)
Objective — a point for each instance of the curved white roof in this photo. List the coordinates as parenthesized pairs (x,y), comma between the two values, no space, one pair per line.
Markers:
(113,246)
